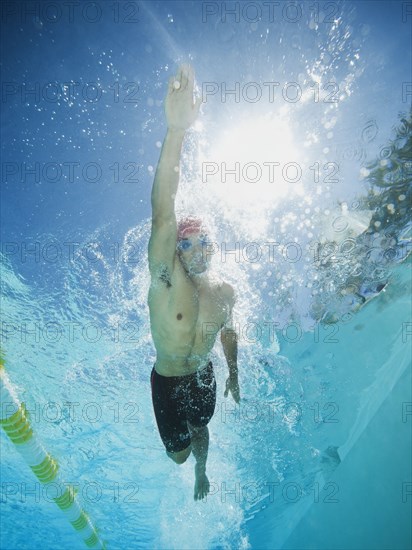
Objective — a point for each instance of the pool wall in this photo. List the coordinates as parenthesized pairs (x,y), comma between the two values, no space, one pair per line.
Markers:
(375,491)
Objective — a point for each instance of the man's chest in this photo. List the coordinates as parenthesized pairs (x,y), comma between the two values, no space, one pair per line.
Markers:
(212,308)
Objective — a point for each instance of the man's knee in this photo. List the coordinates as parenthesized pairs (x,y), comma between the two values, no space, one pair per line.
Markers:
(181,456)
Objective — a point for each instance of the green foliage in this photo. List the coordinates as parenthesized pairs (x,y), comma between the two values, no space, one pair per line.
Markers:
(390,181)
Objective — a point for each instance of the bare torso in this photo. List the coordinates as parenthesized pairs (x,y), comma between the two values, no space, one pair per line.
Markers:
(185,319)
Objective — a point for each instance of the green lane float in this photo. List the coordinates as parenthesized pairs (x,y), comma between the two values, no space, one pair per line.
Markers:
(16,424)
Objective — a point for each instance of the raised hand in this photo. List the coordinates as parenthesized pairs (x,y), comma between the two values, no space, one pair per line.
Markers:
(181,110)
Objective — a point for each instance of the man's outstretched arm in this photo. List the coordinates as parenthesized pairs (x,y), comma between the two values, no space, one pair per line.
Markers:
(167,177)
(181,112)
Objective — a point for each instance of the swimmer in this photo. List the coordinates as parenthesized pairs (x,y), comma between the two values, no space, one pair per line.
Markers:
(188,307)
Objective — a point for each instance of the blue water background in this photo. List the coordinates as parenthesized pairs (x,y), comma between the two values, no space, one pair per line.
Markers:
(91,270)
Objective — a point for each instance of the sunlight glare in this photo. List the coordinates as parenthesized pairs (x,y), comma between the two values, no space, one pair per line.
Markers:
(254,164)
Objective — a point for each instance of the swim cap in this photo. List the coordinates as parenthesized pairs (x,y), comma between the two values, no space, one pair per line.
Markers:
(189,225)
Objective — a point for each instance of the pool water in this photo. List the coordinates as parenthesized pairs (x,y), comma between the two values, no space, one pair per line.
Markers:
(317,454)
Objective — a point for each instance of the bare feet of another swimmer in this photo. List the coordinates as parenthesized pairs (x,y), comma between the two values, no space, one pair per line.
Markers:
(202,484)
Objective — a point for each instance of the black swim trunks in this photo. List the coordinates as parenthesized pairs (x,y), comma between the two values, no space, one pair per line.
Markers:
(181,399)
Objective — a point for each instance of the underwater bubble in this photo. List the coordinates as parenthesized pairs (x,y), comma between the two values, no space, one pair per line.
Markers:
(385,152)
(38,23)
(370,131)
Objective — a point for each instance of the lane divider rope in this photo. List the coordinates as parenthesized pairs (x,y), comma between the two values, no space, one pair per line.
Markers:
(15,422)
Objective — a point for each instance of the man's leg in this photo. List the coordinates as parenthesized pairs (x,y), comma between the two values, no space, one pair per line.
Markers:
(200,446)
(170,416)
(181,456)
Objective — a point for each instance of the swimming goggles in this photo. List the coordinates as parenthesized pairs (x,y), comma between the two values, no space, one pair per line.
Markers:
(186,244)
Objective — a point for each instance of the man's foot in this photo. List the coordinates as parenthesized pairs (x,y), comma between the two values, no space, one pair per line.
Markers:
(202,484)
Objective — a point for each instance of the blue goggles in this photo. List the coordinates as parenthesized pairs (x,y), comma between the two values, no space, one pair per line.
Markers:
(186,244)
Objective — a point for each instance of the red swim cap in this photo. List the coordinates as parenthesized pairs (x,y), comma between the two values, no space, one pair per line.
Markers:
(189,225)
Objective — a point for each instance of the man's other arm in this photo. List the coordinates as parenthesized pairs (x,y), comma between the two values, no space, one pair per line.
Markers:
(229,338)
